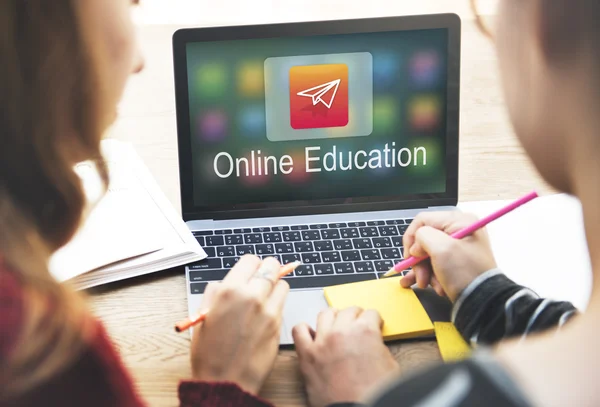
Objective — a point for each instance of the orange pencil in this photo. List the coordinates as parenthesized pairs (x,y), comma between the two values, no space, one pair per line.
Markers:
(201,316)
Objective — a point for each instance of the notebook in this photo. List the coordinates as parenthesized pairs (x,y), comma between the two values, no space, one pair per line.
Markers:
(403,315)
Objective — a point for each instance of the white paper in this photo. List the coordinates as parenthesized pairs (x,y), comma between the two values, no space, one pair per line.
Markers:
(542,245)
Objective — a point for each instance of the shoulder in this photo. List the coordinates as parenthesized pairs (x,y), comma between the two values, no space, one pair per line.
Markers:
(11,309)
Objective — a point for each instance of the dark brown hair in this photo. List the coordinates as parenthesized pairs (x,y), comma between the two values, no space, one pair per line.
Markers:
(49,121)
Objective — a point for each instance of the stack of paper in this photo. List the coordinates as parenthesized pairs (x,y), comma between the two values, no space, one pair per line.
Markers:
(133,230)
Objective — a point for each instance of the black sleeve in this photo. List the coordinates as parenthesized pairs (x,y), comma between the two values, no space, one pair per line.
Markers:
(494,307)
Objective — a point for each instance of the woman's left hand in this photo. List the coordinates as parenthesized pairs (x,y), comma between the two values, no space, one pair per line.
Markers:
(345,358)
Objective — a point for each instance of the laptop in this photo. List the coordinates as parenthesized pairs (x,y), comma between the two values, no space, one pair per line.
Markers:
(317,142)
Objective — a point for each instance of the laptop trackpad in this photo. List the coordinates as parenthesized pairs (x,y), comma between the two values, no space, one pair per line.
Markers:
(301,306)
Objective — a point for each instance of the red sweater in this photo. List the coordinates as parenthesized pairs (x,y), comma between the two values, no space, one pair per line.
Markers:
(98,377)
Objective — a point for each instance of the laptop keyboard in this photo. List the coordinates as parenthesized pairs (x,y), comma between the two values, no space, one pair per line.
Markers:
(331,254)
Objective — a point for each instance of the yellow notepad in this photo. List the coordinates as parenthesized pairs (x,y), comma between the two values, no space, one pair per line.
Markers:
(452,345)
(403,315)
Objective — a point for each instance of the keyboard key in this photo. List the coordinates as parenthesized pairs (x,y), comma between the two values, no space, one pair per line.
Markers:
(198,288)
(202,232)
(375,223)
(244,249)
(229,262)
(390,254)
(356,224)
(223,232)
(274,237)
(223,251)
(264,249)
(343,268)
(215,241)
(383,265)
(402,228)
(311,235)
(207,264)
(253,238)
(208,275)
(280,228)
(330,234)
(395,222)
(364,267)
(200,240)
(234,239)
(210,251)
(275,256)
(408,221)
(244,230)
(382,242)
(261,230)
(396,241)
(344,244)
(302,247)
(323,245)
(326,281)
(349,233)
(311,258)
(291,236)
(388,231)
(299,227)
(319,226)
(369,232)
(321,269)
(331,257)
(371,254)
(304,270)
(284,248)
(362,243)
(290,258)
(337,225)
(350,255)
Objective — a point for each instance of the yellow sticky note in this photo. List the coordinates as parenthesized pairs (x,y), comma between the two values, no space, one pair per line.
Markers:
(452,345)
(402,313)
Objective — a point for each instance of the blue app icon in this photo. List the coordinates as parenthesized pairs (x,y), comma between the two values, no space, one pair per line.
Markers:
(386,69)
(251,120)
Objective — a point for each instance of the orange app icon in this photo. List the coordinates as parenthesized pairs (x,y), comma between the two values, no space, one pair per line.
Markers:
(318,96)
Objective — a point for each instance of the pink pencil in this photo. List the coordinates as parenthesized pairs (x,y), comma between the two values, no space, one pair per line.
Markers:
(411,261)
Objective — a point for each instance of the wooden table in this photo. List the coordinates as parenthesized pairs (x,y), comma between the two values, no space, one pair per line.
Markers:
(140,313)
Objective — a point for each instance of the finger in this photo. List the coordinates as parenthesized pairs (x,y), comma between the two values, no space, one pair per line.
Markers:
(263,281)
(433,241)
(346,316)
(446,221)
(209,295)
(422,275)
(325,320)
(372,318)
(302,338)
(276,301)
(409,279)
(243,270)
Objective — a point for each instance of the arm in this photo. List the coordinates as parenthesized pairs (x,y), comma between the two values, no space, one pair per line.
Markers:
(193,393)
(493,307)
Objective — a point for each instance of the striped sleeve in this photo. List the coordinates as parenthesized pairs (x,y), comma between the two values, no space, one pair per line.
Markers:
(493,308)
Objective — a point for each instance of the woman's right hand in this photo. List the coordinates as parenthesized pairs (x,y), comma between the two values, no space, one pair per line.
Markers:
(453,263)
(239,339)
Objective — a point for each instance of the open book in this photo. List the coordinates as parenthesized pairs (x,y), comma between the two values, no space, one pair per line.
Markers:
(132,230)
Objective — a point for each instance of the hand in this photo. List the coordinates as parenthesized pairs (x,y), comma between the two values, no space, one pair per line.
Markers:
(453,263)
(345,359)
(239,339)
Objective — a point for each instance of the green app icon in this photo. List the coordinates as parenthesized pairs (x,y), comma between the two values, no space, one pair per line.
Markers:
(211,80)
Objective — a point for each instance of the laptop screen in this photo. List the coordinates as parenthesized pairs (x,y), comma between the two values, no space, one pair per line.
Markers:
(351,117)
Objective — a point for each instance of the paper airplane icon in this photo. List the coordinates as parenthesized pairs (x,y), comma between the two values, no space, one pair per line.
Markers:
(322,93)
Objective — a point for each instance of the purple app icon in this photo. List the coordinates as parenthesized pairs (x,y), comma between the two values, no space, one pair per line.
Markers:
(212,125)
(426,69)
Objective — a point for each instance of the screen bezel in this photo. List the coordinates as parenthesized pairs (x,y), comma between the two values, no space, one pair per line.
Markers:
(182,37)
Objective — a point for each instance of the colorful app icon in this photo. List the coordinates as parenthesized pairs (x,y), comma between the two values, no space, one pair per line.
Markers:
(212,125)
(251,79)
(386,114)
(211,80)
(426,68)
(386,69)
(424,113)
(251,120)
(318,96)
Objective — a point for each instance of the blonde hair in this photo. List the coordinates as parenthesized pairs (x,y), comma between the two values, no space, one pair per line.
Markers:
(50,119)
